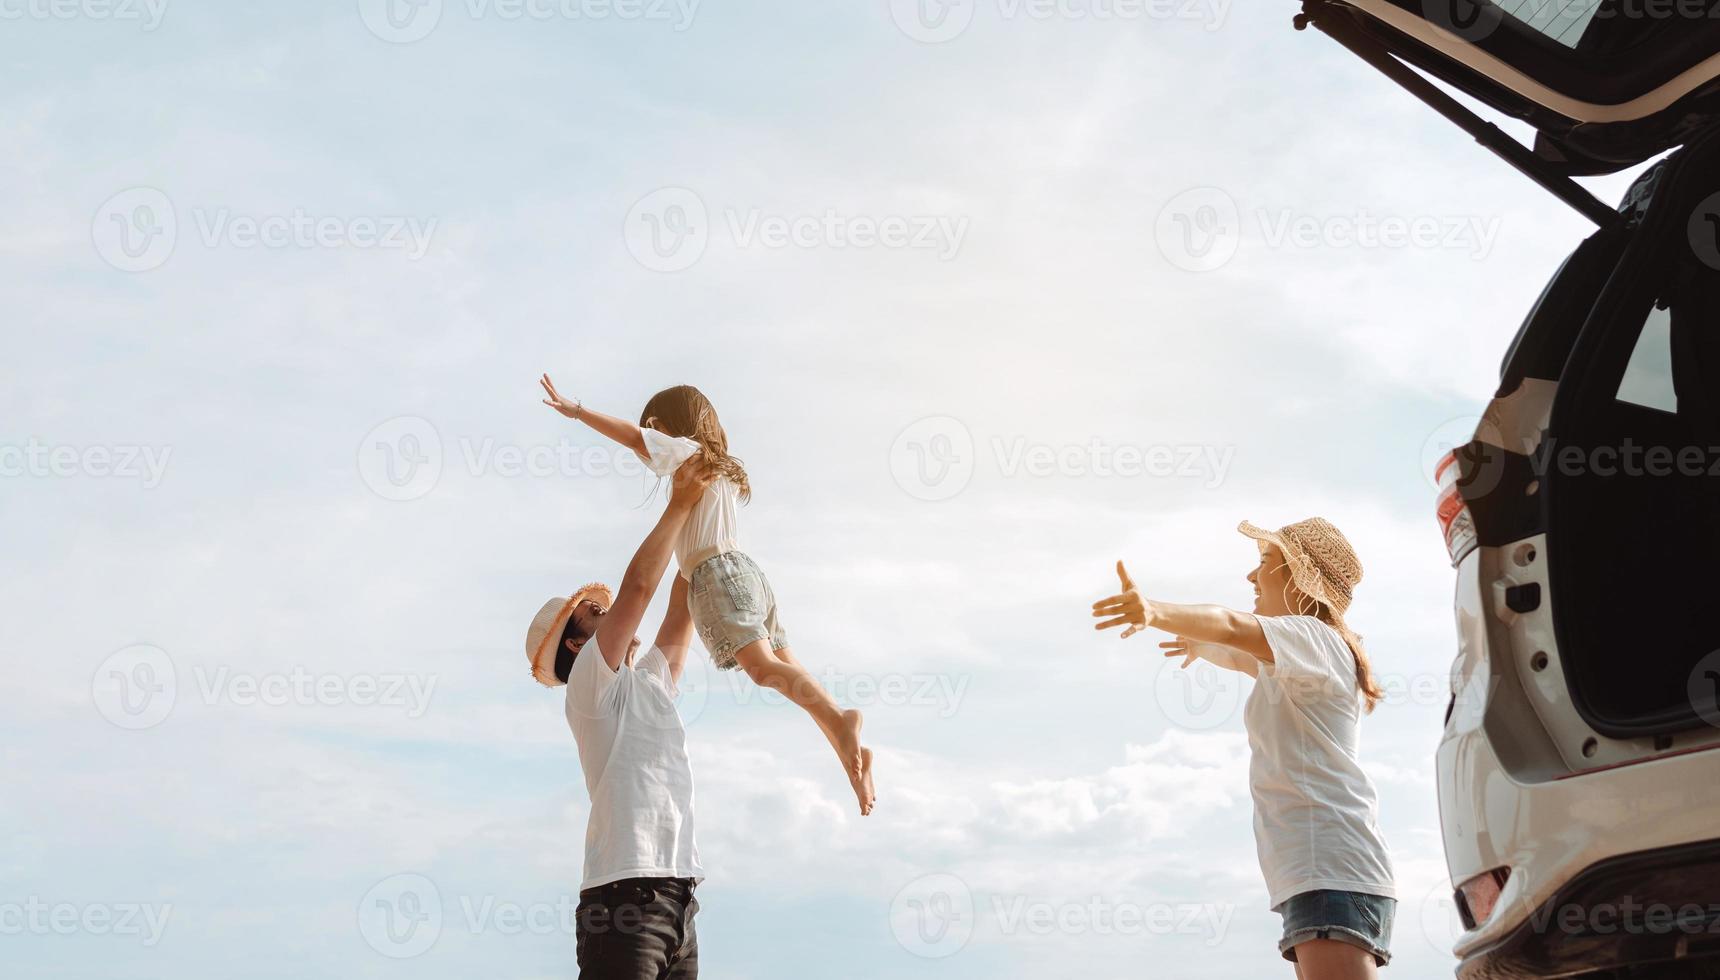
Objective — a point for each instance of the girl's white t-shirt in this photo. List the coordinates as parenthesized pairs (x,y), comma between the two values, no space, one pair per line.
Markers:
(713,527)
(1316,815)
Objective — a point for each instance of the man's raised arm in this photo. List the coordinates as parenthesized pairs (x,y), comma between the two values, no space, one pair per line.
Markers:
(675,636)
(645,572)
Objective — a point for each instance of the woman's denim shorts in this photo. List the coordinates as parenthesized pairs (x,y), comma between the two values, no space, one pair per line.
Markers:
(1349,917)
(733,605)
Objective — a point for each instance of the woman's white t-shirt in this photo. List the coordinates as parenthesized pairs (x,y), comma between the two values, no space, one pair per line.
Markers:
(713,526)
(1316,815)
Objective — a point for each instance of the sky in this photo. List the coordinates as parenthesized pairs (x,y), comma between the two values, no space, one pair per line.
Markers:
(989,295)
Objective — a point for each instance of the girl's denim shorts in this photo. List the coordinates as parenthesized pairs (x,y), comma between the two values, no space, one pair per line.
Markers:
(1349,917)
(733,605)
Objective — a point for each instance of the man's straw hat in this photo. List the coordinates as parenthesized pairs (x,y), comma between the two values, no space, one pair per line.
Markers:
(1322,564)
(543,639)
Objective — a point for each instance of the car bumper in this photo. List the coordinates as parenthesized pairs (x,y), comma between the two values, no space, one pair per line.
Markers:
(1549,829)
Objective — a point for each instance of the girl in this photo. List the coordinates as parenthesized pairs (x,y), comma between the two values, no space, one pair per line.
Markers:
(733,606)
(1316,821)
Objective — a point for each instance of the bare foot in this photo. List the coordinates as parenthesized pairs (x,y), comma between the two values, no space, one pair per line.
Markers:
(848,742)
(868,795)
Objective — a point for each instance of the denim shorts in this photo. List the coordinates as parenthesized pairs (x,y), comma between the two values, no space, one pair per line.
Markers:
(733,606)
(1349,917)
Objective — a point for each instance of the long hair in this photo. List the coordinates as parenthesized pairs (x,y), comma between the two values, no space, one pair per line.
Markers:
(1306,605)
(684,412)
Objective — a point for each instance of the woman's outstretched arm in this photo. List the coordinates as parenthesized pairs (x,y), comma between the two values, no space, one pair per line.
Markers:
(620,430)
(1203,623)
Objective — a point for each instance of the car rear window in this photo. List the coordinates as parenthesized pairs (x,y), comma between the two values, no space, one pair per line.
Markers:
(1562,20)
(1648,378)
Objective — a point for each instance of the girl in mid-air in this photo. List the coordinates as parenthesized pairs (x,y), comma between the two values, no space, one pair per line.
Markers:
(733,606)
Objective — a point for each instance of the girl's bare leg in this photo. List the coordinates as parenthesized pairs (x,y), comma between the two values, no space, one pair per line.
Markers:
(779,671)
(1329,959)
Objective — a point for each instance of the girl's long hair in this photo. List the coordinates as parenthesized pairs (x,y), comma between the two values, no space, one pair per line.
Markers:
(1306,605)
(684,412)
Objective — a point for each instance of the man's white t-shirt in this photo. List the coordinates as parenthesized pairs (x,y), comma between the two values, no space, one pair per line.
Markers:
(633,749)
(713,526)
(1316,815)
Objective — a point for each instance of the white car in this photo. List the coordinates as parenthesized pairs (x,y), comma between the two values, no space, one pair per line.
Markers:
(1579,771)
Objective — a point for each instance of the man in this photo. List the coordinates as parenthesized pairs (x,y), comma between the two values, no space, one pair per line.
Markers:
(636,905)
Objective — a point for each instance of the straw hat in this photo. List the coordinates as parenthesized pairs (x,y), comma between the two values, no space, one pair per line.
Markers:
(543,639)
(1322,564)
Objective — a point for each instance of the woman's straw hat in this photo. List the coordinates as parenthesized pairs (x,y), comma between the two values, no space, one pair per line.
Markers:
(543,639)
(1322,563)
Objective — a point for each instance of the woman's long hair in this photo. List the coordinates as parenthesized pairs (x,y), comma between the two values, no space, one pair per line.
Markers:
(684,412)
(1365,683)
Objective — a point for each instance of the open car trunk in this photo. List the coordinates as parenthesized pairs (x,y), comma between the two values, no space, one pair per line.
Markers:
(1631,473)
(1607,84)
(1629,486)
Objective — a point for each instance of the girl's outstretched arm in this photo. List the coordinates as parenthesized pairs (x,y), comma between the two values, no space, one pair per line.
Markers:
(1209,624)
(620,430)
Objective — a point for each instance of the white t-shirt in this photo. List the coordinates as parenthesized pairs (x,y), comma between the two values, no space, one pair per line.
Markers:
(633,749)
(1316,815)
(712,527)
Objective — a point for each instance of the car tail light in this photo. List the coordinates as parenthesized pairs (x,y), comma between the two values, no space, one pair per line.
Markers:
(1454,517)
(1477,896)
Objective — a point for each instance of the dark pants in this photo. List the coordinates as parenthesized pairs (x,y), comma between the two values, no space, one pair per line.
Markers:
(638,929)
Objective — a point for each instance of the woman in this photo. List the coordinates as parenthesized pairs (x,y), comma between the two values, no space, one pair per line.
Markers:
(1316,821)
